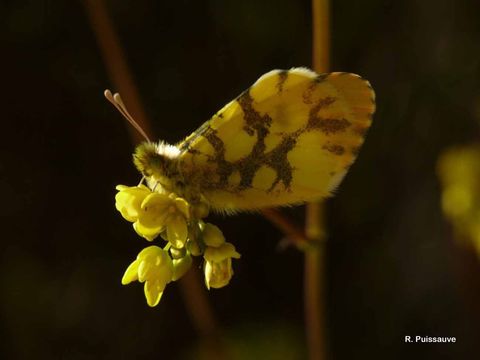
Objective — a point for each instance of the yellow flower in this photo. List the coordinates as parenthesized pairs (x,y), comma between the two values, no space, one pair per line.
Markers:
(129,199)
(154,267)
(153,212)
(218,265)
(164,212)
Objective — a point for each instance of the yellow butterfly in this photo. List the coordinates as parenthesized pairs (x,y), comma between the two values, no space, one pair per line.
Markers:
(288,139)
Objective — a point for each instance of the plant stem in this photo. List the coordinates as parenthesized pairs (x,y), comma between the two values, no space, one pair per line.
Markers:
(116,65)
(201,312)
(314,283)
(321,36)
(314,270)
(294,233)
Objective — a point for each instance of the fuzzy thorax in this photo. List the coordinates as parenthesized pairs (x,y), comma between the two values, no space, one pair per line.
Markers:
(158,162)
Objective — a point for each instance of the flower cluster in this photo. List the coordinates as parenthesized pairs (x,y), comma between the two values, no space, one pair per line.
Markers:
(459,173)
(155,213)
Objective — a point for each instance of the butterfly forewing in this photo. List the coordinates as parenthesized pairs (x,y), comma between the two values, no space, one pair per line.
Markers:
(288,139)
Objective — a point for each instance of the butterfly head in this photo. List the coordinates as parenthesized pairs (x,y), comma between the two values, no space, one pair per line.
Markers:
(157,162)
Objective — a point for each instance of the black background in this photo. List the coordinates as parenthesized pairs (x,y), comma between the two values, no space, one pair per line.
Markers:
(393,268)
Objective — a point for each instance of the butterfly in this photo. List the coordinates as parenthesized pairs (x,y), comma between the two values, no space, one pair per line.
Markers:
(288,139)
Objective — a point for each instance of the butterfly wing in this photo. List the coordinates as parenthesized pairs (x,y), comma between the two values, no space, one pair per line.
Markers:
(288,139)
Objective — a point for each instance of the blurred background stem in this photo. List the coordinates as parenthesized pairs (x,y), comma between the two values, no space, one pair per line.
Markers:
(314,270)
(116,65)
(194,295)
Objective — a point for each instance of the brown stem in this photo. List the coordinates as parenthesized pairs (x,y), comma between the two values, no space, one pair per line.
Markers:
(314,283)
(117,68)
(314,270)
(294,233)
(321,35)
(194,295)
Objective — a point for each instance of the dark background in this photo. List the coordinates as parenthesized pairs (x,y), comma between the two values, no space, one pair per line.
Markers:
(393,268)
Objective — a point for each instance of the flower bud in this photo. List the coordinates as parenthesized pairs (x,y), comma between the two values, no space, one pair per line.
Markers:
(177,253)
(218,265)
(218,274)
(181,266)
(194,247)
(212,235)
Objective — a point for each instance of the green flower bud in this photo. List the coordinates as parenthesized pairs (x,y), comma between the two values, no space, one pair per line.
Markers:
(181,266)
(212,235)
(177,253)
(194,247)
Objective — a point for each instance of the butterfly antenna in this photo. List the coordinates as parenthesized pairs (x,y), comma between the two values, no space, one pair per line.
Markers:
(117,101)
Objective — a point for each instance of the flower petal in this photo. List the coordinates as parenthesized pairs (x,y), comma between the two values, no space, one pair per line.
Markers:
(148,233)
(181,266)
(151,218)
(155,264)
(129,199)
(159,201)
(183,207)
(177,230)
(149,251)
(153,292)
(212,235)
(194,247)
(218,275)
(146,270)
(131,274)
(208,271)
(221,253)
